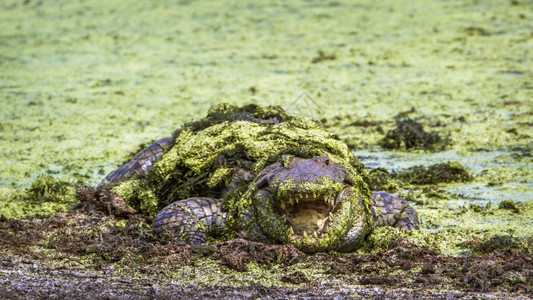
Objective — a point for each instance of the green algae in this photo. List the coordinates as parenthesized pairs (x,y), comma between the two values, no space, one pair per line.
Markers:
(438,173)
(409,134)
(509,205)
(380,179)
(138,195)
(48,189)
(476,230)
(389,58)
(46,195)
(201,158)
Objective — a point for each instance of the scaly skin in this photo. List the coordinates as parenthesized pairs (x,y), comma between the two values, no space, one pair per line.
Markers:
(317,204)
(192,219)
(141,163)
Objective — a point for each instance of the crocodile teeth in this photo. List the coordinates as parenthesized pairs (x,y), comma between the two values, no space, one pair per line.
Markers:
(315,234)
(331,215)
(305,234)
(291,230)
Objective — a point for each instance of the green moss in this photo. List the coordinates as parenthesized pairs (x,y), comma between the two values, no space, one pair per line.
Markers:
(221,176)
(45,196)
(205,152)
(148,203)
(500,242)
(410,134)
(127,190)
(46,188)
(510,205)
(437,173)
(139,195)
(380,179)
(223,112)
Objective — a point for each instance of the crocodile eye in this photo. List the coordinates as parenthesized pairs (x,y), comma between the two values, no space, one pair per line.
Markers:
(324,158)
(285,160)
(262,180)
(261,183)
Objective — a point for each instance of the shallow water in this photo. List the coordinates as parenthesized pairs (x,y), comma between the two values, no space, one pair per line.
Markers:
(518,187)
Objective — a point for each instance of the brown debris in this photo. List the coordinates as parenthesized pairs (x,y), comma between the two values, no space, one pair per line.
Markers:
(18,234)
(237,252)
(102,199)
(508,270)
(130,242)
(297,277)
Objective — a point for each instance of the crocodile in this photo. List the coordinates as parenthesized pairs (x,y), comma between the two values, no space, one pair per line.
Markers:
(257,173)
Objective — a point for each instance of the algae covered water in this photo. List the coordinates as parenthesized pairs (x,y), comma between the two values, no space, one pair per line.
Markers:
(83,85)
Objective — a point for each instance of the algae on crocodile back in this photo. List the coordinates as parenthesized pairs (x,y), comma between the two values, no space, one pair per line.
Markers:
(204,152)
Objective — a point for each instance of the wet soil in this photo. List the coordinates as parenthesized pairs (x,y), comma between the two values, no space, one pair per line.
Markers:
(87,255)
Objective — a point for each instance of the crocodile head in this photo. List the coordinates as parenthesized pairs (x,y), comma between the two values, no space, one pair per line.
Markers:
(314,204)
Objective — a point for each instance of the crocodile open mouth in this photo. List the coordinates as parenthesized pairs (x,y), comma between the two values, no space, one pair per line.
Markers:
(309,215)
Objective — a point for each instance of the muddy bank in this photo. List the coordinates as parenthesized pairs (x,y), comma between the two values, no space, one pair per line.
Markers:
(80,254)
(29,284)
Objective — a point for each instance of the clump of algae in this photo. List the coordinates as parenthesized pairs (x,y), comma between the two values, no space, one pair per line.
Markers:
(45,196)
(409,134)
(437,173)
(510,205)
(46,188)
(380,179)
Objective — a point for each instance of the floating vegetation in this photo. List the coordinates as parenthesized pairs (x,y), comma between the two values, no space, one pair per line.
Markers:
(46,188)
(499,242)
(409,134)
(380,179)
(510,205)
(437,173)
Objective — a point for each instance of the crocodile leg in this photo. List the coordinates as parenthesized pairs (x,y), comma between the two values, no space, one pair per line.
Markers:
(191,220)
(390,210)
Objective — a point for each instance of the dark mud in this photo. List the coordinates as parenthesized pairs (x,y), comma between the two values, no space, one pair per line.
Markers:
(78,285)
(88,255)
